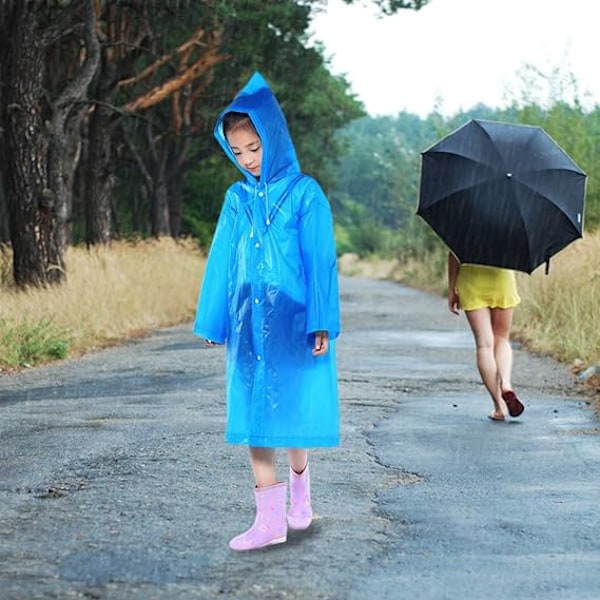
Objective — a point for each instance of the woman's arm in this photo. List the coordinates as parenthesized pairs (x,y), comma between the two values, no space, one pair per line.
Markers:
(453,267)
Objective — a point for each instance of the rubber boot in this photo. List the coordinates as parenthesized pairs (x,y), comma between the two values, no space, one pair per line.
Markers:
(300,513)
(269,526)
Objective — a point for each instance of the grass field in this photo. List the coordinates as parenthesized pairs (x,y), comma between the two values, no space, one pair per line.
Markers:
(110,294)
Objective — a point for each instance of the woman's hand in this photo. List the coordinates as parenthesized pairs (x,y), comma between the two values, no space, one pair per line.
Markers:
(321,346)
(453,301)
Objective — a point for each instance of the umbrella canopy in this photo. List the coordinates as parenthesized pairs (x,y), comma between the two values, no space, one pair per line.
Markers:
(501,194)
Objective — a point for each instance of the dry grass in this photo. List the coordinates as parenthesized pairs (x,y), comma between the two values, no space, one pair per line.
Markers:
(426,273)
(111,293)
(353,266)
(559,313)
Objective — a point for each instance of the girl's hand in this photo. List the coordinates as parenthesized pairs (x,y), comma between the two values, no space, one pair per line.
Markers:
(321,346)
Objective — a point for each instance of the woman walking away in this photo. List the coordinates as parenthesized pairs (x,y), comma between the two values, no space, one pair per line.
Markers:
(488,296)
(270,293)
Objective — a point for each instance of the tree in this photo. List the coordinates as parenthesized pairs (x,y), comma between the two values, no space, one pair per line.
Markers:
(107,106)
(140,72)
(174,136)
(554,101)
(389,7)
(40,127)
(270,37)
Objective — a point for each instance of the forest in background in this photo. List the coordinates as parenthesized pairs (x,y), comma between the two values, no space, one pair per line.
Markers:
(107,110)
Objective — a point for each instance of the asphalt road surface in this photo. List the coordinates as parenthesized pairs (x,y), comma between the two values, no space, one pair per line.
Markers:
(115,481)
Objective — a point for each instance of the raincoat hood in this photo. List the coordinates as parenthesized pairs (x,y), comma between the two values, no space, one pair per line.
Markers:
(279,155)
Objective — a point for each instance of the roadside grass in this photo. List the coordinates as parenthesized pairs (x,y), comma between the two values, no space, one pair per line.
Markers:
(559,314)
(26,343)
(110,295)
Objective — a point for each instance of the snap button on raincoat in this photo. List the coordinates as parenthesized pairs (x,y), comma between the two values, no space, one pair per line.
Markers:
(270,282)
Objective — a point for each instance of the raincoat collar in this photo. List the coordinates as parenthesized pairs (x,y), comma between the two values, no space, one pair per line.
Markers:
(279,155)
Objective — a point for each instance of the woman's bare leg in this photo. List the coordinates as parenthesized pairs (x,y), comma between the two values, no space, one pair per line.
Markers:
(263,466)
(481,324)
(501,325)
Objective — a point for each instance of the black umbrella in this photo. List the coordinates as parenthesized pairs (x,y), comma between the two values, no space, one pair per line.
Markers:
(501,194)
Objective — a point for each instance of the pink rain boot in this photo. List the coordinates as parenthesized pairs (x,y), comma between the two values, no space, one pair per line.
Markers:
(269,525)
(300,513)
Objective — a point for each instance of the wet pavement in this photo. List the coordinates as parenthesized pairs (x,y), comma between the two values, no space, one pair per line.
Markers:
(116,482)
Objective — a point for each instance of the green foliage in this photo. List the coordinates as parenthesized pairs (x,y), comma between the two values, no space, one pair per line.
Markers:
(204,193)
(389,7)
(150,151)
(270,37)
(30,343)
(343,240)
(578,133)
(369,167)
(366,239)
(375,196)
(377,179)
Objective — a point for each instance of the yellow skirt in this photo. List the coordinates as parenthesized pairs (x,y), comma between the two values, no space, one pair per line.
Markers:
(479,286)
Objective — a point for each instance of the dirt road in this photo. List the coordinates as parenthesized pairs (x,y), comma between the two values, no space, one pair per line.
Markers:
(115,481)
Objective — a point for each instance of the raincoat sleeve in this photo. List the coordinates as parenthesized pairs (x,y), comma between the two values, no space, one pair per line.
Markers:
(212,315)
(317,244)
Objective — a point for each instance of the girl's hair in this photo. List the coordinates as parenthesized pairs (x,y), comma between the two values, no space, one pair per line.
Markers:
(237,120)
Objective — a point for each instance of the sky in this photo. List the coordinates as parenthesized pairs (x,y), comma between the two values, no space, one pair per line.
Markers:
(454,54)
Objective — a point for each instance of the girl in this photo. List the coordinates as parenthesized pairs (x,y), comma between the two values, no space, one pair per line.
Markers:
(270,292)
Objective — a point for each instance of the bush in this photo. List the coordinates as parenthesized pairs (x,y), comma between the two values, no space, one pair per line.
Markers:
(27,344)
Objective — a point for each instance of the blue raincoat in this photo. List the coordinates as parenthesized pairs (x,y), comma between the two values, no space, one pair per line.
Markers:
(270,282)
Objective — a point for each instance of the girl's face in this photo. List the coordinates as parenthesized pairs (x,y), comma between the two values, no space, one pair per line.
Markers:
(247,148)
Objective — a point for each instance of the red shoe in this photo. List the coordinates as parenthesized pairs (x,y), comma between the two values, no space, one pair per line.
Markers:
(514,405)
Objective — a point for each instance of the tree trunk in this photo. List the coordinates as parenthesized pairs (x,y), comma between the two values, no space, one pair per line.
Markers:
(178,166)
(176,204)
(155,179)
(4,228)
(42,139)
(160,203)
(30,201)
(100,180)
(66,137)
(99,170)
